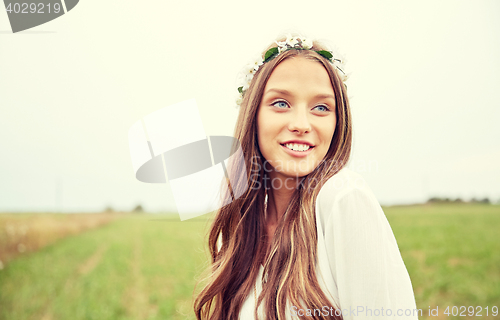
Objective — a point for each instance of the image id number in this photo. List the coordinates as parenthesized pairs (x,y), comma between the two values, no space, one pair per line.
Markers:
(33,8)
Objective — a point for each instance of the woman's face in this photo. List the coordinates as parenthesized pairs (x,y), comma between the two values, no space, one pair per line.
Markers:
(296,118)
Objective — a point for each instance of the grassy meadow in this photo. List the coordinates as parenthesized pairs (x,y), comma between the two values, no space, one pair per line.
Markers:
(145,266)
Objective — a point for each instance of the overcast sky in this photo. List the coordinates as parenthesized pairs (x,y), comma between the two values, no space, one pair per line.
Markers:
(424,88)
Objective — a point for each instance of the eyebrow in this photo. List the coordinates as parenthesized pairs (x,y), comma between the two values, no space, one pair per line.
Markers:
(288,93)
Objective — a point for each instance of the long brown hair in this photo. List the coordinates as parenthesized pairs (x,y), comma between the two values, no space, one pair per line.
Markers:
(291,263)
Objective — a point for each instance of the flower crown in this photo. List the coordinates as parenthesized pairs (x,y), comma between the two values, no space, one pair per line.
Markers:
(297,43)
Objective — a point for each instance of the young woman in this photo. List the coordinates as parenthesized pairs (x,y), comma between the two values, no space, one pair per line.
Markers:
(307,238)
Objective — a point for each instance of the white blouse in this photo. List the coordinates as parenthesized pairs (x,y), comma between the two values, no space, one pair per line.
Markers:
(359,265)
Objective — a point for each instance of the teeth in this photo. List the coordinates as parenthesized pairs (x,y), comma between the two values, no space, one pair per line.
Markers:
(297,147)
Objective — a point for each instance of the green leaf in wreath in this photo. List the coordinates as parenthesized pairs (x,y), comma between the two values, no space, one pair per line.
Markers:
(240,89)
(270,53)
(326,54)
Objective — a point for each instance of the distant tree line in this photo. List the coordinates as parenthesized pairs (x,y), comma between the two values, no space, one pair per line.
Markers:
(137,209)
(458,200)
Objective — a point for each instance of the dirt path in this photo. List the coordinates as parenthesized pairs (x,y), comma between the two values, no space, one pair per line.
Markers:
(135,299)
(93,261)
(82,270)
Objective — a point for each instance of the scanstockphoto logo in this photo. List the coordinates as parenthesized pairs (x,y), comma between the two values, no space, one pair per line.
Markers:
(171,145)
(28,14)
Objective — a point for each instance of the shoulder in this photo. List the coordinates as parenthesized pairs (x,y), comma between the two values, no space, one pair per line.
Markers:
(343,184)
(345,194)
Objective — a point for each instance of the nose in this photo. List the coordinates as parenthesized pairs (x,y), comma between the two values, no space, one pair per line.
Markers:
(299,122)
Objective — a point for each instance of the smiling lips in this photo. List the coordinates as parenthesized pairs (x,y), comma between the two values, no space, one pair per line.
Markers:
(297,146)
(297,149)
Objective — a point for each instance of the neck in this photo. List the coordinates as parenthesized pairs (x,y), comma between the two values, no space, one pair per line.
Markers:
(278,201)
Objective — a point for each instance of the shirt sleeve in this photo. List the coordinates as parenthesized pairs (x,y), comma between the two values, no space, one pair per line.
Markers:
(372,280)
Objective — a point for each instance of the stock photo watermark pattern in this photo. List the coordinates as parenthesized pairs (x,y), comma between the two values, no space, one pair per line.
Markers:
(367,312)
(170,145)
(25,15)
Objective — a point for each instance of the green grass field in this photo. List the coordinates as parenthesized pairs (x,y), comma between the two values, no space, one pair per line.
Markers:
(146,266)
(452,253)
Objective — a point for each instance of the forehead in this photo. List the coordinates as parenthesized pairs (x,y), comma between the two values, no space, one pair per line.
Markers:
(297,72)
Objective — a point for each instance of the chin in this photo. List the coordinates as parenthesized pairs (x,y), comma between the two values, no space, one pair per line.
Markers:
(303,174)
(294,174)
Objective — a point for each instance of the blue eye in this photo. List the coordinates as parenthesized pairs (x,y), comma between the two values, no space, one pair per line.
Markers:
(322,108)
(280,104)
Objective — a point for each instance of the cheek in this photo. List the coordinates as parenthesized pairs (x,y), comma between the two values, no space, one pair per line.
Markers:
(260,142)
(263,140)
(331,136)
(328,138)
(327,131)
(261,132)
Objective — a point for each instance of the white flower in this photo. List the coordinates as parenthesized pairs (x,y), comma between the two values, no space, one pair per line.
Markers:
(249,68)
(252,67)
(257,63)
(239,99)
(307,43)
(249,78)
(291,41)
(282,46)
(280,43)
